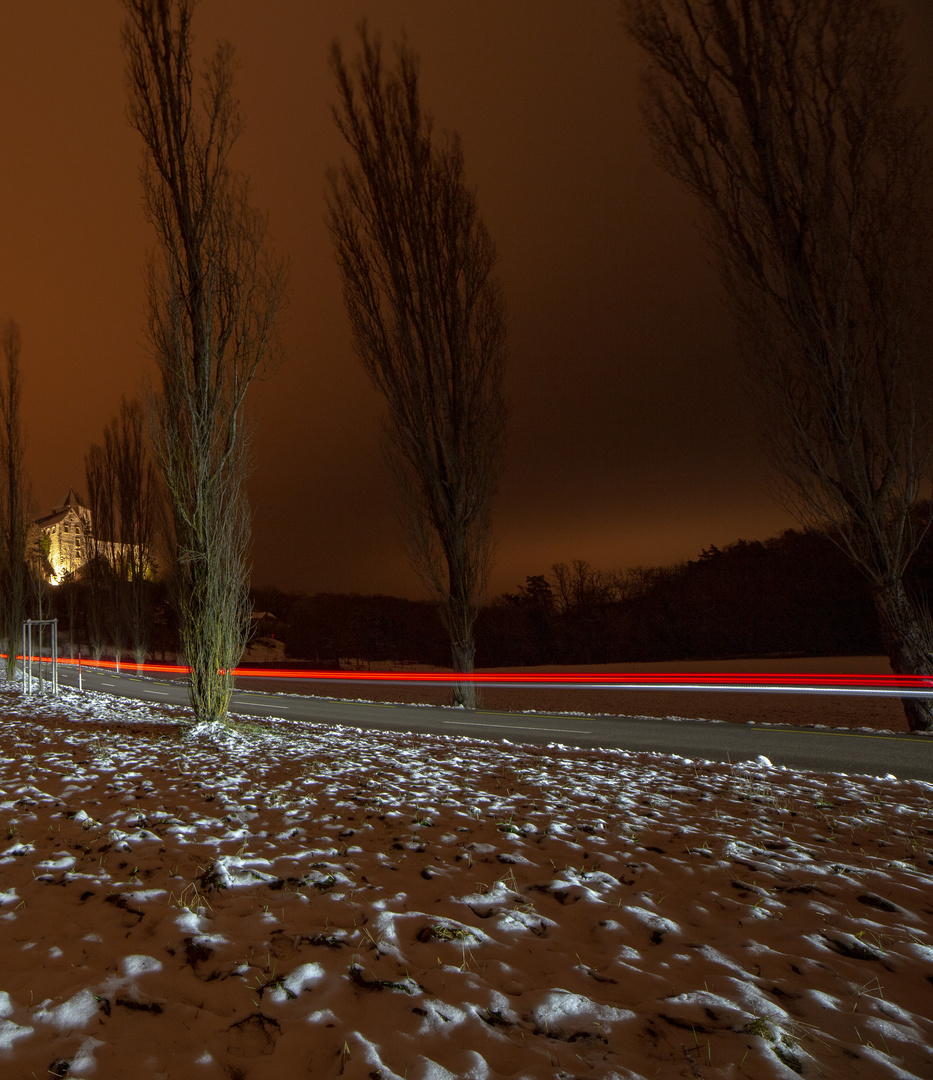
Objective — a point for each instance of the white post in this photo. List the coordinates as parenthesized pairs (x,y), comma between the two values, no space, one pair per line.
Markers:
(55,657)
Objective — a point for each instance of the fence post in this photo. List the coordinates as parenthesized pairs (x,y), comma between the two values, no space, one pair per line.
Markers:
(55,657)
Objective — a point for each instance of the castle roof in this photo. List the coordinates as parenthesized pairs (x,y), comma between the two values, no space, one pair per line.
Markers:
(56,516)
(72,505)
(72,500)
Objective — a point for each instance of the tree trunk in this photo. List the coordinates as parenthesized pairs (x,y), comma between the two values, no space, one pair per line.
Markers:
(462,654)
(906,638)
(459,616)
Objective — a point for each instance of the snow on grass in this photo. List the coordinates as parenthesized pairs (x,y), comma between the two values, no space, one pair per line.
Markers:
(299,900)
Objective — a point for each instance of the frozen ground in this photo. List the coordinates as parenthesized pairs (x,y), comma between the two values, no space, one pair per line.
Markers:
(322,902)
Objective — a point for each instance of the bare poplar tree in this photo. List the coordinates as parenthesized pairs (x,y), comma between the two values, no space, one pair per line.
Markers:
(102,586)
(428,324)
(138,499)
(214,293)
(14,573)
(124,494)
(785,119)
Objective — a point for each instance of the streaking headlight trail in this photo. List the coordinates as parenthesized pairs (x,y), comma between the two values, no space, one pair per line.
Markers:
(742,682)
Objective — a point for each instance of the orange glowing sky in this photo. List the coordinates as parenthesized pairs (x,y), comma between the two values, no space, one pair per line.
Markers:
(630,443)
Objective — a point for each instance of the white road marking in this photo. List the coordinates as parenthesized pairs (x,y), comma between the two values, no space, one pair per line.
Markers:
(161,693)
(517,727)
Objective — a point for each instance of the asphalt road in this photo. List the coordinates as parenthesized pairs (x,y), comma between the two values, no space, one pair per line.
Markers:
(856,752)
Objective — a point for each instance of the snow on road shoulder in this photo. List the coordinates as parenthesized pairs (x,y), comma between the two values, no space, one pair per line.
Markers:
(315,901)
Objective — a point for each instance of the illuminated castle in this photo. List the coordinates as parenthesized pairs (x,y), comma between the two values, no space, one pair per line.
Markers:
(68,542)
(68,532)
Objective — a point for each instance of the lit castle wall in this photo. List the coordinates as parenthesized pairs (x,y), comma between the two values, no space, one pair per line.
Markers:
(69,530)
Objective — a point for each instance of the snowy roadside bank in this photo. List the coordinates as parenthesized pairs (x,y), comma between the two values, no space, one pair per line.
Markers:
(311,901)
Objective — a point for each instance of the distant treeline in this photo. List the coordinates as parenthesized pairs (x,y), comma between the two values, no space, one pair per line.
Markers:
(327,627)
(792,594)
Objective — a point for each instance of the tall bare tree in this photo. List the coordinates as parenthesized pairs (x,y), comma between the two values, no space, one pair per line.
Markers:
(785,118)
(14,574)
(125,498)
(214,293)
(140,514)
(102,605)
(428,323)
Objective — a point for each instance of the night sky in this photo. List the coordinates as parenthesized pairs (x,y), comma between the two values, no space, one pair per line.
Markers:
(630,442)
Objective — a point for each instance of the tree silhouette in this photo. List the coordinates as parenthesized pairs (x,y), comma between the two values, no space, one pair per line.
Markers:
(784,118)
(428,323)
(213,297)
(14,574)
(125,498)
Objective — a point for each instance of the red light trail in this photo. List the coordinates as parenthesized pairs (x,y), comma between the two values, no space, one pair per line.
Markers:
(747,682)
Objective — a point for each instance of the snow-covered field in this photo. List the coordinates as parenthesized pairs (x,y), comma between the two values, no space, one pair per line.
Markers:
(299,901)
